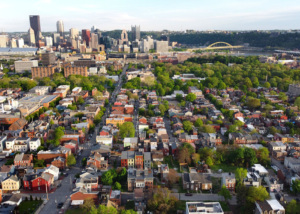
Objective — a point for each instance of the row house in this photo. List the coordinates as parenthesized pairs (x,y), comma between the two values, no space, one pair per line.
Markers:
(196,181)
(88,181)
(229,181)
(127,159)
(283,138)
(34,144)
(147,160)
(131,142)
(23,160)
(211,138)
(140,179)
(59,162)
(36,182)
(97,161)
(12,183)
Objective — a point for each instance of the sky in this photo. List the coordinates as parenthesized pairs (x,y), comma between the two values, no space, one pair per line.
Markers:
(152,15)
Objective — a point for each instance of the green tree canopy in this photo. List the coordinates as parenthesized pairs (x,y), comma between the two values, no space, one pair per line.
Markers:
(71,160)
(198,123)
(187,125)
(127,130)
(191,97)
(225,193)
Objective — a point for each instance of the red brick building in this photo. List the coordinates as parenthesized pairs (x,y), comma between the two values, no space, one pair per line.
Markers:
(59,162)
(23,160)
(139,160)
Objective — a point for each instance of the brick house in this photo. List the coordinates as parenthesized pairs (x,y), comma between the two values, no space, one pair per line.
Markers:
(139,160)
(229,181)
(59,162)
(238,114)
(23,160)
(97,161)
(139,179)
(196,181)
(83,194)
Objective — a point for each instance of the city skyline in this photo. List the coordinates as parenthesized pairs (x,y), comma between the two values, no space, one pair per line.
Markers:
(175,15)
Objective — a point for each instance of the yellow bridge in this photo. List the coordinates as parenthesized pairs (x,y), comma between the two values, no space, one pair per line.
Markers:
(215,46)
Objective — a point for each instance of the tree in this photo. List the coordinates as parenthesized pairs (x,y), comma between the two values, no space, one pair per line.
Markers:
(267,85)
(162,201)
(51,122)
(98,95)
(117,186)
(187,125)
(184,155)
(257,194)
(225,193)
(191,97)
(71,160)
(297,102)
(87,204)
(198,123)
(127,130)
(102,209)
(240,174)
(195,158)
(253,103)
(293,207)
(296,186)
(273,130)
(179,97)
(108,177)
(172,177)
(162,109)
(208,129)
(250,157)
(263,156)
(80,100)
(209,161)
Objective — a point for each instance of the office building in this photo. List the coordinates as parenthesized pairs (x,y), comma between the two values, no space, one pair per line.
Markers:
(86,36)
(135,33)
(94,41)
(13,43)
(49,41)
(75,70)
(40,72)
(20,43)
(74,33)
(25,65)
(161,46)
(48,58)
(3,41)
(124,37)
(56,38)
(36,26)
(60,27)
(31,37)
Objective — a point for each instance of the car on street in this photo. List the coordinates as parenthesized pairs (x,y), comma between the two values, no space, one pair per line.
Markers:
(60,205)
(188,194)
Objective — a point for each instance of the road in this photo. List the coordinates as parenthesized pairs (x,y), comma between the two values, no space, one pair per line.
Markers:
(136,118)
(198,197)
(169,129)
(62,194)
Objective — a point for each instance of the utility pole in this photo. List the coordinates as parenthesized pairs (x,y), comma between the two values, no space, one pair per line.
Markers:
(47,192)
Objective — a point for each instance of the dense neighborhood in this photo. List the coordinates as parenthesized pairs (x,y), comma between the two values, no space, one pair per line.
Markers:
(194,137)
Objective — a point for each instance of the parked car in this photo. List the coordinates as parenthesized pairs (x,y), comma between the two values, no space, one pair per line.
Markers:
(188,194)
(60,205)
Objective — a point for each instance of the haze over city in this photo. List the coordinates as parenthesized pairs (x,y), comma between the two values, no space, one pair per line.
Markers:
(154,15)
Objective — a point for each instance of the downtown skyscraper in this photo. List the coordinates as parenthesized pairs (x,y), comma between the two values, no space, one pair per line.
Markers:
(36,26)
(60,27)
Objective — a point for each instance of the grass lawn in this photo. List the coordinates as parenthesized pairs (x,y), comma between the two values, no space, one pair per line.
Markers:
(224,167)
(75,211)
(29,206)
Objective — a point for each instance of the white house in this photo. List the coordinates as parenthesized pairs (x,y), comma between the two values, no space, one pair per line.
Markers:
(34,143)
(54,171)
(105,140)
(10,142)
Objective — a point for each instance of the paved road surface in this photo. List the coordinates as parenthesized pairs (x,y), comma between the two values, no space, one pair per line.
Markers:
(199,197)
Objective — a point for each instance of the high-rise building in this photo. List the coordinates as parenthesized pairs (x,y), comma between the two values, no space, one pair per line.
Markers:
(74,33)
(48,58)
(13,43)
(49,41)
(86,36)
(3,41)
(56,38)
(161,46)
(124,37)
(94,41)
(135,33)
(20,43)
(60,27)
(31,37)
(36,26)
